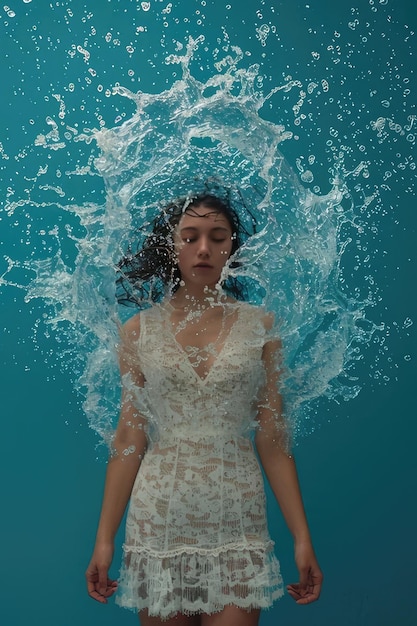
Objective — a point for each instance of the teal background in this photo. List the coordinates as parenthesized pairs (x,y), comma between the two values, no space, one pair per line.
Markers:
(358,472)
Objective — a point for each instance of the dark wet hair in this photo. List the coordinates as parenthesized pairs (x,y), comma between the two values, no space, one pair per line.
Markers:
(147,275)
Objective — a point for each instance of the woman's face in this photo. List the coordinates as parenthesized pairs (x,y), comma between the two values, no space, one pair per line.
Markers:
(203,243)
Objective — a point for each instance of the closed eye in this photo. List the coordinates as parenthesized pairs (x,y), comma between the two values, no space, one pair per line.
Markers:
(193,239)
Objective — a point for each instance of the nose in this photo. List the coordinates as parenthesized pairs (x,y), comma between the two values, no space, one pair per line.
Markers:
(204,247)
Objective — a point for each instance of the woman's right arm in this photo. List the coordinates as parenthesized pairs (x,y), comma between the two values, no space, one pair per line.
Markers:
(129,445)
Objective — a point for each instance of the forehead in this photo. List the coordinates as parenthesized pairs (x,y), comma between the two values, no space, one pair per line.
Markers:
(203,217)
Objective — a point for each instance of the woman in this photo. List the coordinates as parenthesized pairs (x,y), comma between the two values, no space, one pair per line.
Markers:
(200,372)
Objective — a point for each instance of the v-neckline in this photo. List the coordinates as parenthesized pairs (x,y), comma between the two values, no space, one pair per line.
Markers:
(182,351)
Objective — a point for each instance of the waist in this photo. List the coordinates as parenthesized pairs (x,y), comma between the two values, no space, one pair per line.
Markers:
(198,428)
(199,439)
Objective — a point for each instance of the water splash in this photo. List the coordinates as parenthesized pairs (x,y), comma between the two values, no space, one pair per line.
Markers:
(192,137)
(309,261)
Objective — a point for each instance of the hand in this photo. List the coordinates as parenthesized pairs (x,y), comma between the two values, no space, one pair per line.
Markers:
(99,585)
(311,577)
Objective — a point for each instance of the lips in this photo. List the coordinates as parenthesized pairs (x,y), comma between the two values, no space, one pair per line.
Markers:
(206,266)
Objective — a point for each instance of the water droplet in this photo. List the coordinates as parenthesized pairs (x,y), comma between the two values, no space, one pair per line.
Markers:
(9,11)
(307,176)
(262,33)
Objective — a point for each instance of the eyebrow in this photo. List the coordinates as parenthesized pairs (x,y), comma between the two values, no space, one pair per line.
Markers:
(194,228)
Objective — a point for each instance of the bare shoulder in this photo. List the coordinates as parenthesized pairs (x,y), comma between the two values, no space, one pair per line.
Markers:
(131,328)
(273,345)
(267,318)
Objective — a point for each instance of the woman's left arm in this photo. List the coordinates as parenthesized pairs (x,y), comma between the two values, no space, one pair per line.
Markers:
(272,444)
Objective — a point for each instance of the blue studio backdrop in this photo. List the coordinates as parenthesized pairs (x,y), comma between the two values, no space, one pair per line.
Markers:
(355,67)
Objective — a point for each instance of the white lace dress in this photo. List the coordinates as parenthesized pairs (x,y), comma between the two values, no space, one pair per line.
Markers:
(196,532)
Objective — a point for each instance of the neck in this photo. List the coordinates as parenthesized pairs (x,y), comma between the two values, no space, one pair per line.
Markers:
(196,297)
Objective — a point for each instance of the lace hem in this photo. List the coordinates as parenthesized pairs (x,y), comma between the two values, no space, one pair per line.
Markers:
(195,582)
(260,549)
